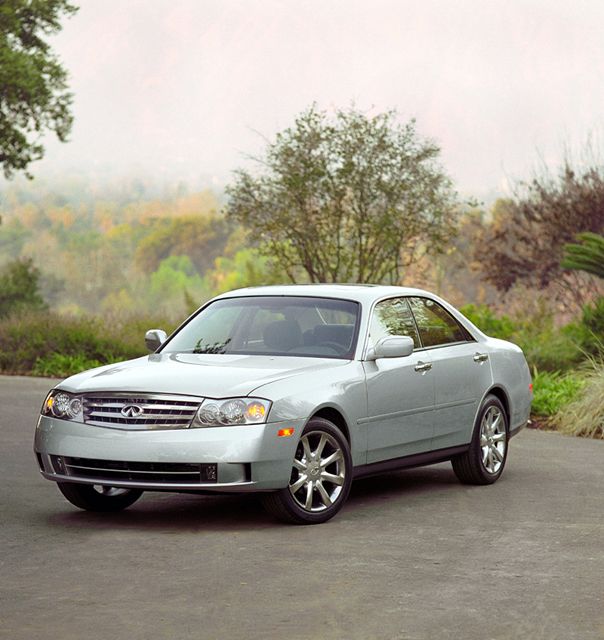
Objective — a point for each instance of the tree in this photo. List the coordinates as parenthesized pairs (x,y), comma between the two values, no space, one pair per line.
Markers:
(586,256)
(33,84)
(525,242)
(202,238)
(19,287)
(355,198)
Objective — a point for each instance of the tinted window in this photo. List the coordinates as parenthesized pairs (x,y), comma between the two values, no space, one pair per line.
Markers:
(393,318)
(436,325)
(271,325)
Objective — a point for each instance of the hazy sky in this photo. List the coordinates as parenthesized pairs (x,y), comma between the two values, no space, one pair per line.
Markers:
(183,86)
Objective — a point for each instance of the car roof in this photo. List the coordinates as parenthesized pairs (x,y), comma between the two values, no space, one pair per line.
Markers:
(366,293)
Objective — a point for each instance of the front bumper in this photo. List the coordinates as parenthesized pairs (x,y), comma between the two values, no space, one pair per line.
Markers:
(243,458)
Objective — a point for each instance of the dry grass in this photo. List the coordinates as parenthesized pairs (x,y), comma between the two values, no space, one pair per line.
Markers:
(584,416)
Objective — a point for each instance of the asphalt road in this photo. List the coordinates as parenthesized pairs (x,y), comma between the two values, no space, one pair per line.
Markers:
(413,555)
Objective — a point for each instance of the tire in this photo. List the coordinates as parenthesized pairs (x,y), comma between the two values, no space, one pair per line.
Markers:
(320,479)
(97,497)
(484,461)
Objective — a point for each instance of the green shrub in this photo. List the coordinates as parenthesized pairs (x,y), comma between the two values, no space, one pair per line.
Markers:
(483,317)
(584,416)
(47,343)
(588,331)
(548,349)
(545,347)
(57,365)
(25,338)
(553,390)
(19,287)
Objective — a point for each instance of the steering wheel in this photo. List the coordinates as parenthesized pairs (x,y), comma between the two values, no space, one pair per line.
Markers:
(336,346)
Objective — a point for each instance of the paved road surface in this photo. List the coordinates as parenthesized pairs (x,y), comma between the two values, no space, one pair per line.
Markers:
(413,555)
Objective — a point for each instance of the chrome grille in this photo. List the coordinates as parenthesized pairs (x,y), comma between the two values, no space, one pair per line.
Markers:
(139,411)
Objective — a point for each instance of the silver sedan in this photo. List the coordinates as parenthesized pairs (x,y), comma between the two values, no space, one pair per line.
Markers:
(291,391)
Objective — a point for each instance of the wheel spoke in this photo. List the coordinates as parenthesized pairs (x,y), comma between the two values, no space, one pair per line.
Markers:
(496,422)
(495,451)
(323,493)
(334,457)
(298,483)
(485,455)
(306,447)
(330,477)
(499,437)
(321,446)
(309,492)
(300,466)
(483,440)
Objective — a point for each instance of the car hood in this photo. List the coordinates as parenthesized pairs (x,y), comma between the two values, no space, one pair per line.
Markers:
(212,376)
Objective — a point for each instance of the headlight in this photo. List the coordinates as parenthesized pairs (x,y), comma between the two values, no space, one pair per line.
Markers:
(220,413)
(63,405)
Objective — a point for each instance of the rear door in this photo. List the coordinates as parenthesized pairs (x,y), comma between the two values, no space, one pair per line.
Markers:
(400,391)
(461,372)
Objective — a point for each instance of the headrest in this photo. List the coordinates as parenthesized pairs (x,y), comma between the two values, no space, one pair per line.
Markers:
(282,335)
(340,333)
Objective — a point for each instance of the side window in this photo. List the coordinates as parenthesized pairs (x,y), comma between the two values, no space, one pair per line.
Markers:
(393,318)
(436,325)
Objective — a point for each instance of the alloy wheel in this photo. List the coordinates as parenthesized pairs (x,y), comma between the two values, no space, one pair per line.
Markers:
(493,439)
(319,472)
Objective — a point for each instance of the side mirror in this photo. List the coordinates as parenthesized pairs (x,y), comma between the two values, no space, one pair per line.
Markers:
(154,338)
(391,347)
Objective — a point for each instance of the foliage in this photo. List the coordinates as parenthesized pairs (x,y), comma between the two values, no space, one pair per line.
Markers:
(586,256)
(31,340)
(355,199)
(247,268)
(525,241)
(201,238)
(584,415)
(588,331)
(33,84)
(57,365)
(88,244)
(552,391)
(175,278)
(545,346)
(485,319)
(19,287)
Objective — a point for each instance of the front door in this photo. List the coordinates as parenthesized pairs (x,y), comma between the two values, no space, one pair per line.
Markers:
(400,391)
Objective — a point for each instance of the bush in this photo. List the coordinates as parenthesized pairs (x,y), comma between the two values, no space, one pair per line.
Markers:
(483,317)
(584,416)
(552,391)
(588,332)
(19,289)
(57,365)
(32,341)
(545,347)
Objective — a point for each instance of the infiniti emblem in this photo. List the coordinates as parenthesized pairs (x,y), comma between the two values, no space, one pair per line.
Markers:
(132,411)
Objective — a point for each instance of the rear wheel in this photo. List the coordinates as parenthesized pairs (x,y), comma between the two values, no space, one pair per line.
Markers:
(98,497)
(320,478)
(484,461)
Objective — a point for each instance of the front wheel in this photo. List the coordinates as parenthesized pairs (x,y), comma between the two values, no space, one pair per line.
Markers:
(98,497)
(484,461)
(320,478)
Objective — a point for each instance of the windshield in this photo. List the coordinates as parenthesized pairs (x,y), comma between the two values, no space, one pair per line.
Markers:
(272,325)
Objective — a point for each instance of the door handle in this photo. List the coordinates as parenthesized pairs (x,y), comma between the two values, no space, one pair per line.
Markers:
(423,366)
(480,357)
